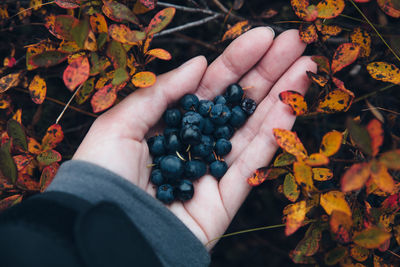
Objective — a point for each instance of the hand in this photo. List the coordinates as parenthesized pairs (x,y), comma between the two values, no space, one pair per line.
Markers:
(116,140)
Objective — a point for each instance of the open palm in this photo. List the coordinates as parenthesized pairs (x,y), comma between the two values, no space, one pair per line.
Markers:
(116,140)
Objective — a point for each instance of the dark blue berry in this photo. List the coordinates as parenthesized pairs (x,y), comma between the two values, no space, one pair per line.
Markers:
(225,131)
(190,135)
(238,117)
(172,143)
(185,190)
(172,168)
(156,177)
(209,127)
(193,118)
(220,114)
(219,99)
(234,94)
(210,158)
(172,117)
(249,106)
(204,147)
(218,169)
(222,147)
(189,102)
(169,130)
(195,169)
(165,193)
(205,107)
(157,160)
(156,145)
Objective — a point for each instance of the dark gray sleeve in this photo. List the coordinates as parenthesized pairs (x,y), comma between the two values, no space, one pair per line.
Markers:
(172,241)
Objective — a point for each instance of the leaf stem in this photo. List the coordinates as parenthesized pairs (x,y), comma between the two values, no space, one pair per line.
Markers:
(373,93)
(68,103)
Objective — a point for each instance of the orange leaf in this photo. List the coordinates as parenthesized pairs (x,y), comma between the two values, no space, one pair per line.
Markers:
(264,173)
(22,161)
(375,131)
(236,30)
(381,177)
(104,98)
(121,33)
(327,30)
(25,182)
(144,79)
(303,175)
(37,89)
(303,10)
(355,177)
(384,72)
(390,7)
(328,9)
(68,4)
(323,64)
(76,73)
(9,81)
(318,79)
(118,12)
(363,40)
(339,84)
(53,137)
(308,33)
(17,116)
(391,159)
(290,188)
(331,143)
(340,224)
(371,238)
(289,142)
(48,174)
(344,55)
(322,174)
(160,20)
(337,100)
(317,159)
(5,203)
(294,215)
(98,23)
(159,53)
(33,146)
(334,200)
(296,102)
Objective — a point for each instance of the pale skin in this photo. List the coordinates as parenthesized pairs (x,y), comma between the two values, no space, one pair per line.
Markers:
(117,139)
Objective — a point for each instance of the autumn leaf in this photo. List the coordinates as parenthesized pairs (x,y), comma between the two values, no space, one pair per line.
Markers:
(121,33)
(308,33)
(48,58)
(159,53)
(33,146)
(85,92)
(25,182)
(363,39)
(360,136)
(98,64)
(323,64)
(309,245)
(334,200)
(63,25)
(317,159)
(340,224)
(371,238)
(381,177)
(331,143)
(54,135)
(144,79)
(337,100)
(7,202)
(7,165)
(391,159)
(9,81)
(294,215)
(118,12)
(329,9)
(359,253)
(284,159)
(303,175)
(339,84)
(375,131)
(290,188)
(80,32)
(385,72)
(344,55)
(289,142)
(327,30)
(304,10)
(296,102)
(120,76)
(48,157)
(317,79)
(355,177)
(17,133)
(322,174)
(335,255)
(68,4)
(390,7)
(98,23)
(48,174)
(35,4)
(236,30)
(37,89)
(263,174)
(117,53)
(22,161)
(103,98)
(160,21)
(76,73)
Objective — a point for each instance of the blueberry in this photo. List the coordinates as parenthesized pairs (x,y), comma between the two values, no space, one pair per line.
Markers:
(219,99)
(234,94)
(195,169)
(220,114)
(172,168)
(208,127)
(248,106)
(225,131)
(172,117)
(156,145)
(165,193)
(189,102)
(185,190)
(157,160)
(210,158)
(172,143)
(156,177)
(218,169)
(222,147)
(170,130)
(190,135)
(238,117)
(193,118)
(204,147)
(205,107)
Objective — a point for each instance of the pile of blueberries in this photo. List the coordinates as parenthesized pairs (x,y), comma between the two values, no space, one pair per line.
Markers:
(197,133)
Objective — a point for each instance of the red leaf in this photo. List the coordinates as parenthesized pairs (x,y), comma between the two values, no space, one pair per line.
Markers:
(344,55)
(76,73)
(104,98)
(355,177)
(10,201)
(118,12)
(323,64)
(150,4)
(389,7)
(48,174)
(375,131)
(53,137)
(296,102)
(303,10)
(160,20)
(69,4)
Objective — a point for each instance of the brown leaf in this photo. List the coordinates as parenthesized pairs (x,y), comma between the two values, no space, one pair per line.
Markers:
(375,131)
(340,224)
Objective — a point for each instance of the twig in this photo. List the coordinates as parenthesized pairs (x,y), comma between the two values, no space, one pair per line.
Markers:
(221,6)
(391,252)
(196,41)
(373,93)
(188,9)
(68,103)
(188,25)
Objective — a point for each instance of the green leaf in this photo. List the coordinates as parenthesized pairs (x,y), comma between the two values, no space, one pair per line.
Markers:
(101,40)
(48,58)
(360,136)
(335,255)
(284,159)
(85,91)
(120,76)
(391,159)
(118,12)
(290,188)
(371,238)
(15,130)
(117,54)
(7,164)
(80,32)
(48,157)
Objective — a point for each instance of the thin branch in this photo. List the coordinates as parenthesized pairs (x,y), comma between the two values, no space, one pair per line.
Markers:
(68,103)
(188,9)
(196,41)
(374,93)
(188,25)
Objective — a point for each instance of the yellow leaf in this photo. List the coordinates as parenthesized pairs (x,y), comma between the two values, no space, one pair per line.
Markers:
(144,79)
(294,215)
(289,142)
(371,237)
(381,176)
(9,81)
(37,89)
(334,200)
(159,53)
(90,42)
(35,4)
(303,174)
(98,23)
(336,101)
(17,116)
(317,159)
(236,30)
(331,143)
(322,174)
(363,39)
(384,72)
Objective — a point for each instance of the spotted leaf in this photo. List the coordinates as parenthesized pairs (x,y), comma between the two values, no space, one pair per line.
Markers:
(328,9)
(37,89)
(317,79)
(68,4)
(160,20)
(296,102)
(85,92)
(294,215)
(289,142)
(9,81)
(383,71)
(118,12)
(48,157)
(98,23)
(104,98)
(144,79)
(117,53)
(340,224)
(363,39)
(76,73)
(304,10)
(331,143)
(48,174)
(236,30)
(290,188)
(308,33)
(262,174)
(284,159)
(344,55)
(390,7)
(48,58)
(303,175)
(54,135)
(121,33)
(322,174)
(359,253)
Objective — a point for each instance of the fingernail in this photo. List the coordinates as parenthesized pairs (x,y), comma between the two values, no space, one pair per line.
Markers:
(272,30)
